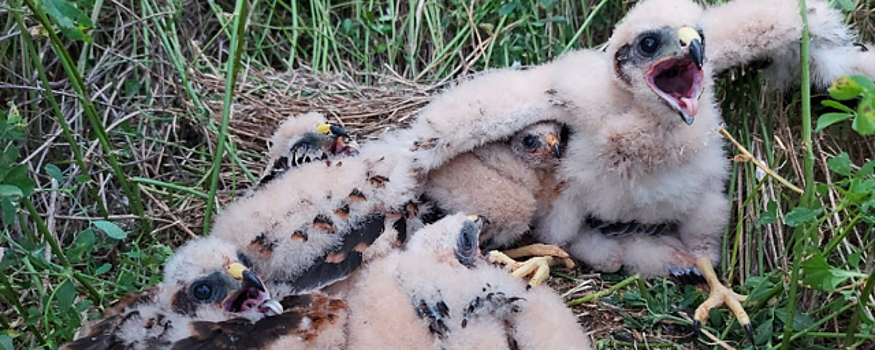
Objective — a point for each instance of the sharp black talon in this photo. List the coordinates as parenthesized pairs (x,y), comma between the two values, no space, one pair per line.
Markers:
(748,329)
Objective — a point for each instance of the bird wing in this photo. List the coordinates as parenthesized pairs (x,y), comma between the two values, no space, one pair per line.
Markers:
(340,262)
(744,31)
(310,226)
(304,320)
(103,336)
(105,333)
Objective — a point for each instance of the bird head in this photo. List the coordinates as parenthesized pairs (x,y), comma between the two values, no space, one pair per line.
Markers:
(342,144)
(454,239)
(539,144)
(209,272)
(468,241)
(659,54)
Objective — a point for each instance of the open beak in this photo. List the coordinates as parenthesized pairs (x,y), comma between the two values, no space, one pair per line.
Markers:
(252,295)
(679,79)
(553,142)
(348,147)
(343,143)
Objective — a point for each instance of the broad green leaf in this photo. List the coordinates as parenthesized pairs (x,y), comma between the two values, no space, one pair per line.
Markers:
(70,19)
(854,259)
(837,105)
(821,276)
(859,191)
(828,119)
(112,230)
(844,89)
(84,242)
(82,179)
(10,155)
(77,34)
(19,177)
(866,170)
(864,123)
(864,83)
(507,8)
(65,294)
(770,215)
(549,4)
(102,269)
(840,164)
(9,191)
(346,25)
(801,215)
(55,172)
(763,332)
(6,342)
(85,238)
(800,320)
(65,13)
(844,5)
(82,306)
(8,210)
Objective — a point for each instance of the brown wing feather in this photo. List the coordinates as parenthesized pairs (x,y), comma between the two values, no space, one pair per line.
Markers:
(343,261)
(103,334)
(241,333)
(102,337)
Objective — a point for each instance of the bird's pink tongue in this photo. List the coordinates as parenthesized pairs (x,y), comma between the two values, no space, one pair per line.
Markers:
(691,104)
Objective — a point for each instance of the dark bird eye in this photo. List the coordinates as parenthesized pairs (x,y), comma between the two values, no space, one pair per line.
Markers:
(202,291)
(529,142)
(649,44)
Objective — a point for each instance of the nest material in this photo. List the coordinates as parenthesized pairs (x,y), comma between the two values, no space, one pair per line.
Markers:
(266,98)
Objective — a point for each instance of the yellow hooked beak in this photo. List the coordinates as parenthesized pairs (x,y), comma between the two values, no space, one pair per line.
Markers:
(324,128)
(553,142)
(236,270)
(691,42)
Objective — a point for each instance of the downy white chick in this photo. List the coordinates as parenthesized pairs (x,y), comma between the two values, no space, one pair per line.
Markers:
(317,224)
(440,293)
(632,167)
(210,300)
(511,182)
(303,139)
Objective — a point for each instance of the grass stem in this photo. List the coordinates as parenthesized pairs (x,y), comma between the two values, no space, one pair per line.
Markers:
(765,168)
(604,293)
(232,66)
(44,231)
(91,112)
(808,173)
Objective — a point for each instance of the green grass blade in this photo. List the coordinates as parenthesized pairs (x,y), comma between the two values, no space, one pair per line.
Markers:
(91,112)
(232,67)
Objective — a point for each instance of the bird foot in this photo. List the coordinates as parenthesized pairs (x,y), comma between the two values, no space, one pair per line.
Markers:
(720,295)
(537,267)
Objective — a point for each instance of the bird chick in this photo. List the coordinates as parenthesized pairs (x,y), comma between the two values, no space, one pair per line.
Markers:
(209,298)
(644,154)
(303,139)
(511,182)
(454,299)
(316,225)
